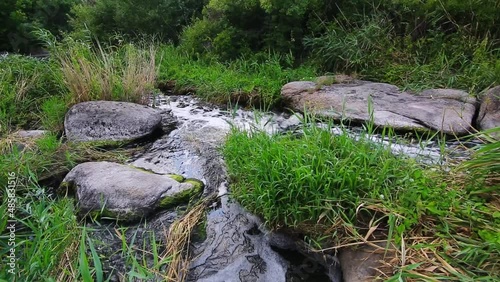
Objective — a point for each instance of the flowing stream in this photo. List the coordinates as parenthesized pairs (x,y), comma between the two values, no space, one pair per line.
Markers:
(236,246)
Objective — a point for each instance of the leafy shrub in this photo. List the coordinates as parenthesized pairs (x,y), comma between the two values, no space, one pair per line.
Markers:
(359,46)
(19,18)
(373,49)
(454,61)
(135,18)
(25,83)
(253,26)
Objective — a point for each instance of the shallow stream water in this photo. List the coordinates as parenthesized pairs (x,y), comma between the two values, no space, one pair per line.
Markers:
(237,246)
(192,110)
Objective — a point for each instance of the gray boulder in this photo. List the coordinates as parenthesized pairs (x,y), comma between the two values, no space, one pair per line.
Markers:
(35,134)
(23,139)
(110,121)
(489,112)
(125,192)
(447,110)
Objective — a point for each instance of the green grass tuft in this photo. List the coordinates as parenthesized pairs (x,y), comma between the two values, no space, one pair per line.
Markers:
(338,191)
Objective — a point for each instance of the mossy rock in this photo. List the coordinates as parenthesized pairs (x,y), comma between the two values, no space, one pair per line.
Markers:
(183,196)
(177,177)
(124,192)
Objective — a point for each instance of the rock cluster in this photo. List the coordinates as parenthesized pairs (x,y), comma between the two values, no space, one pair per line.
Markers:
(449,111)
(154,188)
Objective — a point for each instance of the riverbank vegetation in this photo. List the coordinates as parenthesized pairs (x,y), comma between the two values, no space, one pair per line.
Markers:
(244,52)
(334,191)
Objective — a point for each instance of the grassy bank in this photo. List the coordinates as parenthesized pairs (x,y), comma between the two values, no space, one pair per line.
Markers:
(45,226)
(332,189)
(253,81)
(35,94)
(337,191)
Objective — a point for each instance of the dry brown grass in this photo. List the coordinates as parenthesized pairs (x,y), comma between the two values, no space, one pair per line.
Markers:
(99,74)
(139,73)
(424,253)
(66,271)
(178,239)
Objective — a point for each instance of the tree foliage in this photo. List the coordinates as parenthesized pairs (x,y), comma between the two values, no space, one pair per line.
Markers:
(135,18)
(18,18)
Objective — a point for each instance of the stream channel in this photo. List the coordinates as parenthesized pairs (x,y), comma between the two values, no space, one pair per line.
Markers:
(235,245)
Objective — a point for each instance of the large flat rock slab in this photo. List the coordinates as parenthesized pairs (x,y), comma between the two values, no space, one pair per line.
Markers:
(110,121)
(447,110)
(125,192)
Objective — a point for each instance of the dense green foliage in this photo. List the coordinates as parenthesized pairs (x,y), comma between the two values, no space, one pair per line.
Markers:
(249,81)
(319,175)
(229,29)
(334,188)
(373,49)
(18,18)
(25,85)
(134,18)
(440,44)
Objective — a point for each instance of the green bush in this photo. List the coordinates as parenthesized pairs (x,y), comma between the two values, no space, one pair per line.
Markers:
(135,18)
(230,29)
(255,80)
(320,176)
(25,83)
(454,61)
(18,18)
(360,46)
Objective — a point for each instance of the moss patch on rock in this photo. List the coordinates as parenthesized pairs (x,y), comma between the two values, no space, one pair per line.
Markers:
(177,177)
(184,196)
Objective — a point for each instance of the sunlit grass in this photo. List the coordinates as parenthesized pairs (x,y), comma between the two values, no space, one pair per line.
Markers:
(338,191)
(47,229)
(247,81)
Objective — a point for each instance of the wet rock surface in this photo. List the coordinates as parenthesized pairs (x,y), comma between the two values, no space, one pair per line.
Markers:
(446,110)
(110,121)
(124,192)
(235,249)
(237,246)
